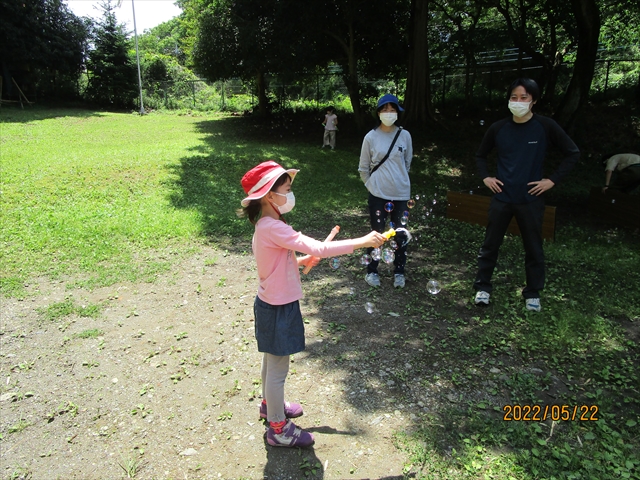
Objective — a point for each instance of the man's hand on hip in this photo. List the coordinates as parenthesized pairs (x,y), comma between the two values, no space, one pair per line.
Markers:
(540,186)
(493,183)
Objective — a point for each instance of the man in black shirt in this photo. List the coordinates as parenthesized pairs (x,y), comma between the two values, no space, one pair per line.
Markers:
(521,141)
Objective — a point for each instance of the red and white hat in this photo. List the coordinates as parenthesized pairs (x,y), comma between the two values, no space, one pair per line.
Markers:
(258,181)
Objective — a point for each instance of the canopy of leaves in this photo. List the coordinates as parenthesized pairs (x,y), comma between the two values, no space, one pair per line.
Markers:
(43,45)
(112,74)
(165,39)
(241,38)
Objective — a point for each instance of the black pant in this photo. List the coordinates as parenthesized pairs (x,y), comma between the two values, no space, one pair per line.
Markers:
(378,216)
(529,217)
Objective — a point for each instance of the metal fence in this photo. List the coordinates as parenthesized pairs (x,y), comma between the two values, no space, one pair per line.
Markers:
(483,85)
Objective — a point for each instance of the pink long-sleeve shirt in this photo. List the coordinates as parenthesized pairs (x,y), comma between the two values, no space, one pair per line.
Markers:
(275,245)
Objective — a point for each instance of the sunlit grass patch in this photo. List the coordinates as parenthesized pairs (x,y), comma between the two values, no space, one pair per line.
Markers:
(68,307)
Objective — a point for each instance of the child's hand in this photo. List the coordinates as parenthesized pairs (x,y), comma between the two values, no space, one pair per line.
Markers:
(373,239)
(308,260)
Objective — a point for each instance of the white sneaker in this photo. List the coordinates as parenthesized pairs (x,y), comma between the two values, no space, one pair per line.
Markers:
(398,280)
(372,279)
(533,304)
(482,298)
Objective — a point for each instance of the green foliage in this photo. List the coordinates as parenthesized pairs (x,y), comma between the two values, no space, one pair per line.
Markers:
(67,307)
(43,47)
(91,333)
(112,72)
(164,40)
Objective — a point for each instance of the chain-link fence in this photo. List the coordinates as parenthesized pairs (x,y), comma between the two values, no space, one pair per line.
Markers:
(197,94)
(483,85)
(486,84)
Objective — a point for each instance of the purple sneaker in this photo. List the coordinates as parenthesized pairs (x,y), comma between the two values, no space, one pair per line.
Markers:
(291,410)
(291,436)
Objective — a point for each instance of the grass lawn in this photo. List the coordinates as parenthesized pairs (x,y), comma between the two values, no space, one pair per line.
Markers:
(94,198)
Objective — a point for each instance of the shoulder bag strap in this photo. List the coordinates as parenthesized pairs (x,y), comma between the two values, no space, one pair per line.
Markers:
(388,153)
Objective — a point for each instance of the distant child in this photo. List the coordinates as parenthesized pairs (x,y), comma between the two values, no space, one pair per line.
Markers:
(279,328)
(330,128)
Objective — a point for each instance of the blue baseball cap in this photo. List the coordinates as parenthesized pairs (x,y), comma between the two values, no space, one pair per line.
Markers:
(388,98)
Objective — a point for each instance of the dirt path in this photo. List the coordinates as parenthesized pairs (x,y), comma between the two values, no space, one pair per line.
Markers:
(164,383)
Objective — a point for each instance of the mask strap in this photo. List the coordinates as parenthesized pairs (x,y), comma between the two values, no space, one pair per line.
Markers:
(275,207)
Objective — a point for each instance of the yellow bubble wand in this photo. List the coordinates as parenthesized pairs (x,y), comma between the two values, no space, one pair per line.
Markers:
(389,233)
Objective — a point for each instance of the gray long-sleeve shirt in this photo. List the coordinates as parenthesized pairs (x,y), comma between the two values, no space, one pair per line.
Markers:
(391,180)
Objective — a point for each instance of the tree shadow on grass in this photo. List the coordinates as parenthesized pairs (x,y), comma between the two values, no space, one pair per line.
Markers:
(208,181)
(453,367)
(12,114)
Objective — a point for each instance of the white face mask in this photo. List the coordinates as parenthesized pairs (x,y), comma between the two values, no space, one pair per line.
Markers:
(288,206)
(519,109)
(388,118)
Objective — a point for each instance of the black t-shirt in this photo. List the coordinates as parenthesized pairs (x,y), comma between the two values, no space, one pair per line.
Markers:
(521,149)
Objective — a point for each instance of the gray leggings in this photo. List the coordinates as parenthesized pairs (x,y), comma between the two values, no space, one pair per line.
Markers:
(274,372)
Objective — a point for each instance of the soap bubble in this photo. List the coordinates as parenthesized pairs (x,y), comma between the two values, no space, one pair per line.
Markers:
(393,244)
(388,206)
(335,263)
(407,235)
(392,225)
(417,197)
(388,256)
(433,287)
(434,201)
(378,213)
(411,203)
(375,254)
(470,192)
(365,259)
(404,220)
(369,307)
(613,201)
(405,213)
(481,122)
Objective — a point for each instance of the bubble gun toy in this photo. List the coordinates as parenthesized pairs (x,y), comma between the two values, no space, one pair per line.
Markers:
(389,233)
(334,232)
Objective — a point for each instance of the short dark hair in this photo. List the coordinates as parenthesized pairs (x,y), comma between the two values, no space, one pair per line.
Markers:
(529,85)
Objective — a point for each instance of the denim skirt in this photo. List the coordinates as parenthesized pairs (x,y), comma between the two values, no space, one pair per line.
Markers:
(279,328)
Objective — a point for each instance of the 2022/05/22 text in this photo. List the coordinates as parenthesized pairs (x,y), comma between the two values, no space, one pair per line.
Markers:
(540,413)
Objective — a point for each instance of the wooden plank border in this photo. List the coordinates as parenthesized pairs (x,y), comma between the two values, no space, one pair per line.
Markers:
(474,209)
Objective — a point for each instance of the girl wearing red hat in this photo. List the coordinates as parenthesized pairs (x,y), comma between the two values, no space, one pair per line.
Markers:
(279,328)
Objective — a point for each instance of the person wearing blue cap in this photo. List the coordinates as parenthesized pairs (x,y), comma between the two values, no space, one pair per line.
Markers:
(385,159)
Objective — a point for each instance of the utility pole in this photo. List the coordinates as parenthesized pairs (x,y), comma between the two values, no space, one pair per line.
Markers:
(135,34)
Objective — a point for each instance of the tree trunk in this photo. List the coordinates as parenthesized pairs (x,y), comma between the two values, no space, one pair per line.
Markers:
(588,19)
(261,87)
(469,80)
(417,100)
(350,71)
(351,81)
(550,87)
